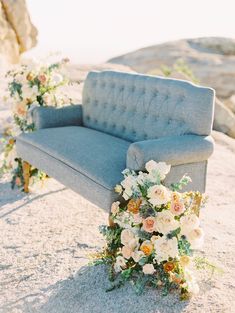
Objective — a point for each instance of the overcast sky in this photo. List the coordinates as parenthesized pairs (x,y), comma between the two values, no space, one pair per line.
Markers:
(92,31)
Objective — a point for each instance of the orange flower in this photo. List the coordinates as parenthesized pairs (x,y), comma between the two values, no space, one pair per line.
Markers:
(147,247)
(29,76)
(134,205)
(169,266)
(11,141)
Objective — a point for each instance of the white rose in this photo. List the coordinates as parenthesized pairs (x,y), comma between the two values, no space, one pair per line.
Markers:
(158,195)
(128,238)
(115,207)
(119,264)
(165,248)
(160,168)
(126,252)
(188,223)
(196,238)
(129,184)
(137,255)
(148,269)
(165,222)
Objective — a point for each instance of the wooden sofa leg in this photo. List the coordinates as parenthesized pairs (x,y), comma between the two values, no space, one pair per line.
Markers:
(26,170)
(111,222)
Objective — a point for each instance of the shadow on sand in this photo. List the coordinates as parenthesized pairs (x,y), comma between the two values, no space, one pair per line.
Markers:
(85,293)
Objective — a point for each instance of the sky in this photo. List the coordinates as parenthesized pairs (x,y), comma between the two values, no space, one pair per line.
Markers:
(92,31)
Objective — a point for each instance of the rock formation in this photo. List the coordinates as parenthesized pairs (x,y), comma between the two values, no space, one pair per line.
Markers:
(17,33)
(212,60)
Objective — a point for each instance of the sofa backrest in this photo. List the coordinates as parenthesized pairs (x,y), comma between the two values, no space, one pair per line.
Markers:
(139,107)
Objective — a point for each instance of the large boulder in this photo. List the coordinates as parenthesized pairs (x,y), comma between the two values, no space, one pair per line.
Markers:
(212,60)
(224,119)
(17,33)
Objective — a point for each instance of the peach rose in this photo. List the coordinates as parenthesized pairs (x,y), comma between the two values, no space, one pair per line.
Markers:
(115,207)
(21,108)
(137,255)
(42,78)
(177,207)
(149,224)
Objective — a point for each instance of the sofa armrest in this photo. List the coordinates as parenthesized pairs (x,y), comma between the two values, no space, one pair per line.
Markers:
(47,117)
(173,150)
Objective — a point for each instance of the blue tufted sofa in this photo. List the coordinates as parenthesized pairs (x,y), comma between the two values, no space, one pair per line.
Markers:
(125,121)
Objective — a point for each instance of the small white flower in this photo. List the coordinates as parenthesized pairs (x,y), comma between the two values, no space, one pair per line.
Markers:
(129,239)
(148,269)
(119,264)
(129,184)
(158,167)
(137,255)
(158,195)
(115,207)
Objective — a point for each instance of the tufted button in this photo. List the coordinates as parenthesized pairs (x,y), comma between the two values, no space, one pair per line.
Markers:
(94,83)
(96,102)
(88,117)
(105,105)
(169,121)
(104,124)
(123,128)
(95,121)
(133,89)
(87,100)
(145,136)
(143,91)
(103,85)
(145,116)
(113,126)
(166,97)
(112,85)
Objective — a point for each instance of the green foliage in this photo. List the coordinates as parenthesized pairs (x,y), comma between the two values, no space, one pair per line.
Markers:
(173,233)
(183,182)
(184,246)
(202,263)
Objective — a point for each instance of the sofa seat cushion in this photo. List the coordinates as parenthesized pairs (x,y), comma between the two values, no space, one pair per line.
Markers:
(99,156)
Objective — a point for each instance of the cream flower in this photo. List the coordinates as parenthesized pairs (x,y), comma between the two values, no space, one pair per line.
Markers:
(165,248)
(148,269)
(129,184)
(137,255)
(149,224)
(119,264)
(158,195)
(165,222)
(127,252)
(196,238)
(115,207)
(29,92)
(118,189)
(128,239)
(161,167)
(188,223)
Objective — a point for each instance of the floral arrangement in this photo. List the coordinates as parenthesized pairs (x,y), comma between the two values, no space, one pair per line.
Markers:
(29,86)
(153,232)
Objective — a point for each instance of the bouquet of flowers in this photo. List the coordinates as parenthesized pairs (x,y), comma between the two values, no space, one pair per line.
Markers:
(29,86)
(153,232)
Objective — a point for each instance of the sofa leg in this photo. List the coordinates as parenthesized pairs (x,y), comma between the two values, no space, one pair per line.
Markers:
(26,171)
(111,222)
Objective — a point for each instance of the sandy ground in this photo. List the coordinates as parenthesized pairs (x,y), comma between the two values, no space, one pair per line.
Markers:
(46,238)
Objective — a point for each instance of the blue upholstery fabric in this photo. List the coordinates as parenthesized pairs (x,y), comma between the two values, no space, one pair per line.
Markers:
(139,107)
(68,176)
(98,156)
(173,150)
(46,117)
